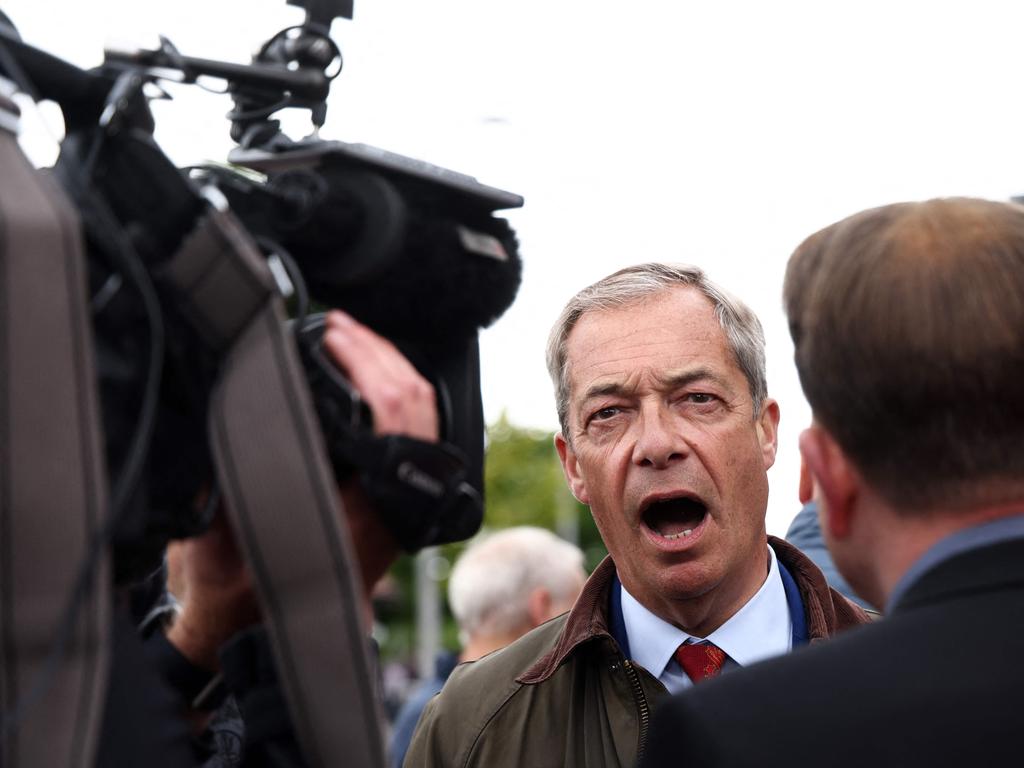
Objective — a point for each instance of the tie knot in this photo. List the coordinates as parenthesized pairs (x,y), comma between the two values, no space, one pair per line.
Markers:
(700,660)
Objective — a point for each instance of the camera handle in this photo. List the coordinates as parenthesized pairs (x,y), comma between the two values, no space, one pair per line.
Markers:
(292,69)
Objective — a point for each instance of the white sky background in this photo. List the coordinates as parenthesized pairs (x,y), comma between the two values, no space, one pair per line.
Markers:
(720,134)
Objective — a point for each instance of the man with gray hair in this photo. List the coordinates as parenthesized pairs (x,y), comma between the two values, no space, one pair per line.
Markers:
(502,586)
(667,433)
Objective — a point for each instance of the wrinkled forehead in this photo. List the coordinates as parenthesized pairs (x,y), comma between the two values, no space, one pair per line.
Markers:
(660,334)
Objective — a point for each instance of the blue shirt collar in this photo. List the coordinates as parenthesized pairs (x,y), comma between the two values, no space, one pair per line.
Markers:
(975,537)
(617,624)
(796,619)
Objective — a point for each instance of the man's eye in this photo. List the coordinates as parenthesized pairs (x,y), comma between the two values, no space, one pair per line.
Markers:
(700,398)
(604,413)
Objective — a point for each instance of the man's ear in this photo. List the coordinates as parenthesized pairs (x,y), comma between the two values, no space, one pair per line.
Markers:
(832,479)
(806,490)
(768,431)
(538,606)
(571,469)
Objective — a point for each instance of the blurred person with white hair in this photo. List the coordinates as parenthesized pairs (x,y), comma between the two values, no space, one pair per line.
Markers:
(502,586)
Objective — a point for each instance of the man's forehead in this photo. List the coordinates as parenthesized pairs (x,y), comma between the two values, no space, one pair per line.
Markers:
(668,334)
(681,306)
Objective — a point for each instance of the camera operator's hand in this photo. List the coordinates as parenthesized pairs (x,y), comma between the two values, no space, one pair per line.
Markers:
(208,577)
(207,574)
(402,402)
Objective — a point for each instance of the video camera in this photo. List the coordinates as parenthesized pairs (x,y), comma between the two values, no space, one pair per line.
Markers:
(410,249)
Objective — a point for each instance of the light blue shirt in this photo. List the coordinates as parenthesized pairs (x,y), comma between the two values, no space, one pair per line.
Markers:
(762,628)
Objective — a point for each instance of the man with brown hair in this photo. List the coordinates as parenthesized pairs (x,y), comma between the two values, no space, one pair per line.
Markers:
(908,324)
(667,434)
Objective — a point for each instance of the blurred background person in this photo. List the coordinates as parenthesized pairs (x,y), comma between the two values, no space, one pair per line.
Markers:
(502,586)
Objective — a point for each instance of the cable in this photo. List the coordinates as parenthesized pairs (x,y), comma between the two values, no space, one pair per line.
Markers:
(131,266)
(9,64)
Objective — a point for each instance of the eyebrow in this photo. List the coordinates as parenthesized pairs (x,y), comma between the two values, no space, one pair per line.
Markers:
(674,381)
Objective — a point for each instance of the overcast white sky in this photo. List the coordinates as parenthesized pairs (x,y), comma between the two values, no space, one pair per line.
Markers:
(716,133)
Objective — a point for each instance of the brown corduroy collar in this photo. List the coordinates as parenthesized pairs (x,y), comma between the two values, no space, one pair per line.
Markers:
(826,611)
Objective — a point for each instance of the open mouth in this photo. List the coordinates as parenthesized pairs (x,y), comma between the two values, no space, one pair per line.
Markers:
(674,518)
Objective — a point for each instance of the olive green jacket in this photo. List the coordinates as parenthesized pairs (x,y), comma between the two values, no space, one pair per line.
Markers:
(564,695)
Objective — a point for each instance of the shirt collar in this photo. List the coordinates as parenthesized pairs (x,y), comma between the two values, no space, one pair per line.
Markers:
(955,544)
(759,630)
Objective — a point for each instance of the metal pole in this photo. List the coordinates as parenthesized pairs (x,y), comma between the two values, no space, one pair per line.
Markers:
(428,611)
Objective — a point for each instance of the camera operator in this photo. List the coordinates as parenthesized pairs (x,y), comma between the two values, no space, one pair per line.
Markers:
(217,602)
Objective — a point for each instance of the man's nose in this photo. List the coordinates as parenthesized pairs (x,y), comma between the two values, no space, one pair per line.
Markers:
(660,441)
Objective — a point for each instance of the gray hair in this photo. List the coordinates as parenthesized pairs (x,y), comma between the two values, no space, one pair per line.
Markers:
(628,286)
(491,582)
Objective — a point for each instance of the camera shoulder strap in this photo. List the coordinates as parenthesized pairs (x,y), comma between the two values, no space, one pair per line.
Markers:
(54,611)
(281,498)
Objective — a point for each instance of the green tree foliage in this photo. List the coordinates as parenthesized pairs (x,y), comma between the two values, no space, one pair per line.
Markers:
(523,478)
(524,486)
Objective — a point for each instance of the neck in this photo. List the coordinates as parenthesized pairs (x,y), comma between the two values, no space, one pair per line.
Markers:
(908,536)
(700,616)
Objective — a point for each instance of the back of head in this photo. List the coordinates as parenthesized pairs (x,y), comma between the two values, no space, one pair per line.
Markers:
(491,582)
(908,325)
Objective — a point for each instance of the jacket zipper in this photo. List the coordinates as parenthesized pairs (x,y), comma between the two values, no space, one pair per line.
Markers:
(641,705)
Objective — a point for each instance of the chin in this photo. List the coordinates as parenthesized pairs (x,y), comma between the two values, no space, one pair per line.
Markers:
(687,582)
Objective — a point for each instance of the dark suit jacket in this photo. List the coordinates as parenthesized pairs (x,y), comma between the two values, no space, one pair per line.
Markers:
(938,682)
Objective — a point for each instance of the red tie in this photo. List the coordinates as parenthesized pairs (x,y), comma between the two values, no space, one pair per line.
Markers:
(700,660)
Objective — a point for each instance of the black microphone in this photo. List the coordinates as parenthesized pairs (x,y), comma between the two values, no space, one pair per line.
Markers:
(410,249)
(414,268)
